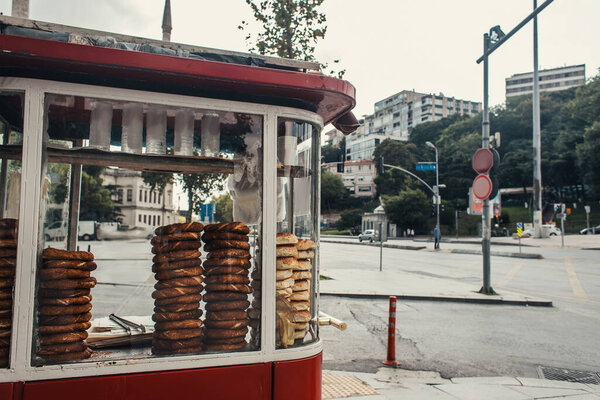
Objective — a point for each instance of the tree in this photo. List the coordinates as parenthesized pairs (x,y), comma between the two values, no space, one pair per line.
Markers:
(157,180)
(333,192)
(291,29)
(589,159)
(224,208)
(199,187)
(95,202)
(331,154)
(350,219)
(409,209)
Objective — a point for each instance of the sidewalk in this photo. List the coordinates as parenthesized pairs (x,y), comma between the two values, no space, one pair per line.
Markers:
(389,383)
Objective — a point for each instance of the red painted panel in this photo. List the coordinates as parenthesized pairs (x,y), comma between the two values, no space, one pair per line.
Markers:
(298,379)
(6,391)
(248,382)
(331,97)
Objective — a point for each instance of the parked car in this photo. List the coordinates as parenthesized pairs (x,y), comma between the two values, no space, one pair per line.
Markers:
(368,234)
(86,230)
(116,231)
(554,231)
(593,230)
(56,231)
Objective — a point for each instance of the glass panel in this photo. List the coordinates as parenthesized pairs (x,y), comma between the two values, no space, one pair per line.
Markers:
(133,193)
(296,265)
(11,139)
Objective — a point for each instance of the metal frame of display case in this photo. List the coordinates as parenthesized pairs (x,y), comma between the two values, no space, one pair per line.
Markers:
(35,90)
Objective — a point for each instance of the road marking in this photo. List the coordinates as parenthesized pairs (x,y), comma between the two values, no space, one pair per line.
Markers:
(575,284)
(464,267)
(511,274)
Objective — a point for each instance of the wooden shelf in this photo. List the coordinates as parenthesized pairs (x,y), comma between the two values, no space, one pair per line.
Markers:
(143,162)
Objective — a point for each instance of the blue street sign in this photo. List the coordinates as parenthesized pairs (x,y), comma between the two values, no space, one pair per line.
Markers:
(519,225)
(426,167)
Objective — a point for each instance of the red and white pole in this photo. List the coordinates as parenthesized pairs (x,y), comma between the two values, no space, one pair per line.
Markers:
(391,347)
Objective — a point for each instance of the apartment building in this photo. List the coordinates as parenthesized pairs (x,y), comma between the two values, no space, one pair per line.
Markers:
(357,177)
(139,204)
(550,80)
(396,115)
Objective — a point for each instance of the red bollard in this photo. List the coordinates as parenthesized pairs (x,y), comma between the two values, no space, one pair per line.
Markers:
(391,348)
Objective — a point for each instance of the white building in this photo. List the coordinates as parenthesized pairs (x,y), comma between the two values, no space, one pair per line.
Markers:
(395,115)
(550,80)
(357,177)
(139,205)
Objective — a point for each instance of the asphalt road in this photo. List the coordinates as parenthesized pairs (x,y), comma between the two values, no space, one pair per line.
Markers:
(459,339)
(455,339)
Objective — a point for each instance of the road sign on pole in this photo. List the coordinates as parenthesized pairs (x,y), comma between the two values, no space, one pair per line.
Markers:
(425,166)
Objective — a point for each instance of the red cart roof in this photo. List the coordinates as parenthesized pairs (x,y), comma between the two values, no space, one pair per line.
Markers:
(31,57)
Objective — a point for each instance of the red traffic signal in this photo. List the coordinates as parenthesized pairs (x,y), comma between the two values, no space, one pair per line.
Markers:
(482,187)
(483,161)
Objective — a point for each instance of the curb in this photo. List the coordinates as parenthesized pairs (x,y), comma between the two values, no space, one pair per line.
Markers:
(489,300)
(456,251)
(500,254)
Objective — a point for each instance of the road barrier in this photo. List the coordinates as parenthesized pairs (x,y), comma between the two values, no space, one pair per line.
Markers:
(391,347)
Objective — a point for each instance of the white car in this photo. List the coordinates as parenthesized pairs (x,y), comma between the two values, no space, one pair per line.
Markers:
(554,231)
(369,235)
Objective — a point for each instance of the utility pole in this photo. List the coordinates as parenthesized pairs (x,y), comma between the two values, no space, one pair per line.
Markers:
(537,143)
(491,41)
(437,186)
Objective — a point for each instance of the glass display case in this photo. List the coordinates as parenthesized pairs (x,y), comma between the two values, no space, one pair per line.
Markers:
(166,216)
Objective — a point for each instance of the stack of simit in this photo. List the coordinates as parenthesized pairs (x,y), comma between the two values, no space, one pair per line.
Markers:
(8,259)
(65,304)
(178,270)
(302,274)
(287,255)
(254,310)
(227,285)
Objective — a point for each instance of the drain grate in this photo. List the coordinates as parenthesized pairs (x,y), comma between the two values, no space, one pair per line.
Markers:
(569,375)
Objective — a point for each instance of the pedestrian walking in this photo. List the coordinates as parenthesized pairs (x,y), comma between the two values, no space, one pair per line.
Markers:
(437,236)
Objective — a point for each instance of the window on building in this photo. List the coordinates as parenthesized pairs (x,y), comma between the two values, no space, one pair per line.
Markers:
(120,196)
(140,218)
(141,194)
(144,218)
(159,195)
(158,219)
(154,218)
(129,195)
(145,196)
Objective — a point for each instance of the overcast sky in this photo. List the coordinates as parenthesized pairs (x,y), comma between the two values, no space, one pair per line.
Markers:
(385,45)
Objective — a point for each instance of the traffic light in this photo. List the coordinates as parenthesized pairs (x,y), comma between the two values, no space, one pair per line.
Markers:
(485,163)
(379,165)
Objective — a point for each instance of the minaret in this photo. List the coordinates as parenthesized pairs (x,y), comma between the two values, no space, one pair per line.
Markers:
(166,24)
(20,8)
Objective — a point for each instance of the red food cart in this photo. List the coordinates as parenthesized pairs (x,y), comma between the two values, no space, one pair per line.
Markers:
(90,118)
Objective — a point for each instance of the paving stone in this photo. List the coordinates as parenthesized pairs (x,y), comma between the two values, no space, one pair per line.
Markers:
(488,380)
(476,391)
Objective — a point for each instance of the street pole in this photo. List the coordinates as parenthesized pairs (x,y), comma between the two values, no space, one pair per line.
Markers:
(537,144)
(485,143)
(380,247)
(437,185)
(456,222)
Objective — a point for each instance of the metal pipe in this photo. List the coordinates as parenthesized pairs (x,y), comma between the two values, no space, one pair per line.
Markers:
(537,144)
(514,30)
(485,143)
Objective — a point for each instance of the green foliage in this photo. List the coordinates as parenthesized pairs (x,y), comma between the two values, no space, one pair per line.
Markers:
(330,154)
(199,187)
(333,193)
(96,203)
(224,208)
(290,29)
(157,180)
(410,208)
(350,219)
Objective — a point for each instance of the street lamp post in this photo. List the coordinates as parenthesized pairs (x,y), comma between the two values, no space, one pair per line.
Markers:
(437,187)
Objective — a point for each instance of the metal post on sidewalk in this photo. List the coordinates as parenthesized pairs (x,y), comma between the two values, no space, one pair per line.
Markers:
(380,247)
(391,347)
(562,231)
